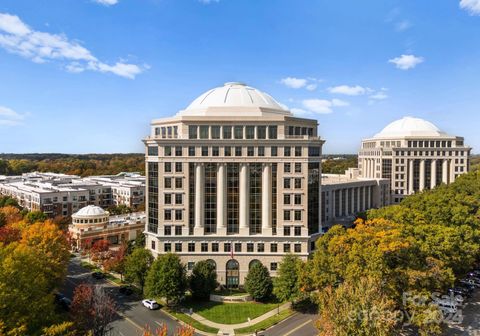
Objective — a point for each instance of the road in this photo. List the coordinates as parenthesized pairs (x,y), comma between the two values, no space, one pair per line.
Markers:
(470,325)
(296,325)
(132,316)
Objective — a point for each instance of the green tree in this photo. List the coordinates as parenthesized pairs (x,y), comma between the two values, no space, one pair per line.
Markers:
(258,282)
(286,286)
(35,216)
(137,265)
(203,280)
(167,278)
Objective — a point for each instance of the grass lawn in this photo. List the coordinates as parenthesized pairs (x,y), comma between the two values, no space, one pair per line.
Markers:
(194,323)
(229,313)
(266,323)
(232,292)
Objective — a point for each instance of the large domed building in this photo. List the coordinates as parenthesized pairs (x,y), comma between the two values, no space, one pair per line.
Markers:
(233,178)
(415,155)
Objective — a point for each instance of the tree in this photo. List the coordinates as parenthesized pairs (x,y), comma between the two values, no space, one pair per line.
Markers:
(9,234)
(258,282)
(356,308)
(116,262)
(92,309)
(35,216)
(60,329)
(11,214)
(286,287)
(203,280)
(99,251)
(137,265)
(167,278)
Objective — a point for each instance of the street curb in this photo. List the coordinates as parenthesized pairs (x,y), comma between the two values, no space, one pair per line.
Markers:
(186,324)
(273,325)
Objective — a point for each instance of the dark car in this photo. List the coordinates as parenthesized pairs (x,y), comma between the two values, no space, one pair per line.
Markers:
(125,290)
(63,301)
(98,275)
(459,291)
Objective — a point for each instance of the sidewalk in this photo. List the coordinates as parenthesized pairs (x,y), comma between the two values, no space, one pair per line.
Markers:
(228,329)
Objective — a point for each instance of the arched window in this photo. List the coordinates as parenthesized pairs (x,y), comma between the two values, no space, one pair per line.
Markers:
(253,262)
(212,262)
(233,273)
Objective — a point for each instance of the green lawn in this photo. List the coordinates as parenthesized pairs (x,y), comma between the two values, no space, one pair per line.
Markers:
(232,292)
(229,313)
(194,323)
(266,323)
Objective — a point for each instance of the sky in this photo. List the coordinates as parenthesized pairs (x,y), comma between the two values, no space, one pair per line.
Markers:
(88,76)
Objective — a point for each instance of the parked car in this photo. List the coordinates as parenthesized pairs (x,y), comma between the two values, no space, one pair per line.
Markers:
(446,306)
(471,281)
(63,301)
(125,290)
(459,291)
(150,304)
(468,286)
(98,275)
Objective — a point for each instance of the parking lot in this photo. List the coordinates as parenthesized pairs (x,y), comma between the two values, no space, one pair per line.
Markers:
(470,325)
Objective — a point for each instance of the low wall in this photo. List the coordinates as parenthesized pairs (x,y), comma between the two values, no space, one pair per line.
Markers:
(230,299)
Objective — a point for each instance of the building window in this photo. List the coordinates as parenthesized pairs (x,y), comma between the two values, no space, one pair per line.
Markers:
(287,151)
(298,151)
(298,167)
(261,247)
(190,265)
(214,247)
(286,231)
(178,167)
(167,167)
(167,230)
(261,151)
(286,215)
(238,132)
(227,132)
(286,248)
(152,150)
(286,183)
(167,150)
(203,132)
(233,170)
(273,151)
(298,199)
(204,247)
(250,132)
(215,151)
(153,245)
(168,182)
(298,230)
(273,266)
(272,132)
(215,132)
(249,247)
(228,151)
(238,247)
(178,182)
(286,168)
(178,199)
(168,199)
(210,205)
(238,151)
(297,248)
(286,199)
(178,151)
(192,132)
(261,132)
(227,247)
(191,151)
(255,195)
(273,248)
(191,247)
(298,183)
(178,247)
(167,247)
(167,214)
(178,230)
(178,215)
(204,151)
(250,151)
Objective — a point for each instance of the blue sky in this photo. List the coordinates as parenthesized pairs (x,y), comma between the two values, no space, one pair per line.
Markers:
(86,76)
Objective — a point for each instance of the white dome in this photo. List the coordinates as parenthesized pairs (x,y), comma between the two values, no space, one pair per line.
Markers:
(410,127)
(233,95)
(90,211)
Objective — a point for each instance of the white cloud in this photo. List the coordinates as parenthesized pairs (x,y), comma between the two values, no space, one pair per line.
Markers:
(298,111)
(311,87)
(349,90)
(294,83)
(40,47)
(405,62)
(322,106)
(206,2)
(402,25)
(9,117)
(381,95)
(472,6)
(107,2)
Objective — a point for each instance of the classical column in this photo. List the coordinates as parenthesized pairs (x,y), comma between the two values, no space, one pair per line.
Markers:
(332,201)
(340,203)
(358,198)
(422,175)
(373,168)
(433,174)
(363,199)
(410,177)
(367,170)
(221,199)
(352,201)
(267,199)
(445,171)
(452,170)
(243,203)
(199,197)
(369,197)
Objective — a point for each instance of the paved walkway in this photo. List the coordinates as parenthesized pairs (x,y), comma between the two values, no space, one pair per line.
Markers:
(228,329)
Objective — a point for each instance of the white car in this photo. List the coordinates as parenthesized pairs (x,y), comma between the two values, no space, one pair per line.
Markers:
(150,304)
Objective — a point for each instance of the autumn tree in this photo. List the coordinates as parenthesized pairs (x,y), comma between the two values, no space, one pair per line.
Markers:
(116,262)
(99,251)
(203,280)
(167,278)
(137,265)
(92,309)
(11,214)
(35,216)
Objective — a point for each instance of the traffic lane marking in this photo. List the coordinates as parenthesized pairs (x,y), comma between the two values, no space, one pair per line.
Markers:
(297,328)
